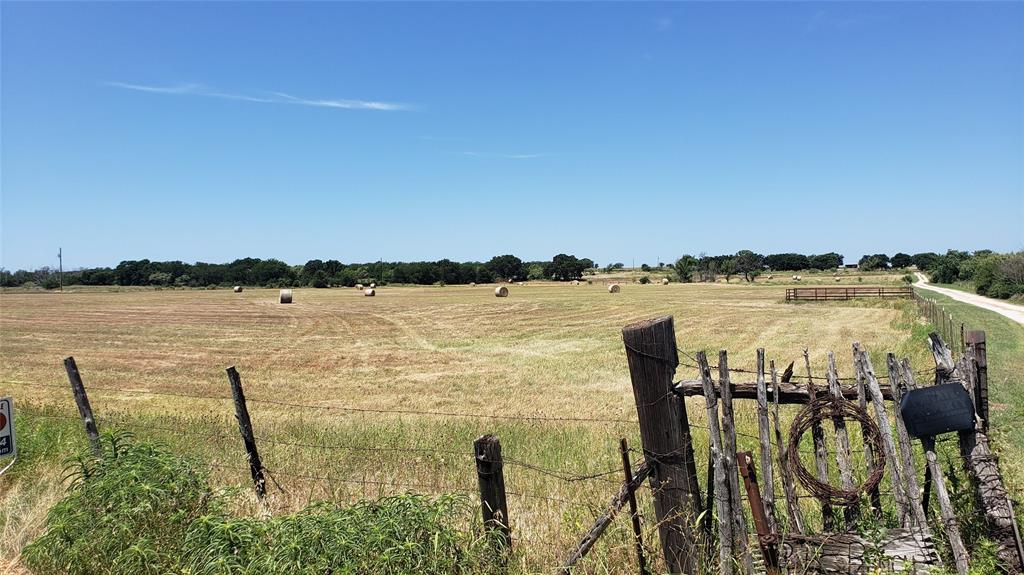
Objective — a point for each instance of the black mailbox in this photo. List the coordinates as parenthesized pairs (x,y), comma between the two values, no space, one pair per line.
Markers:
(931,411)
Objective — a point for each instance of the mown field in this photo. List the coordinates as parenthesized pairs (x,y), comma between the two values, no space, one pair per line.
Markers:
(359,397)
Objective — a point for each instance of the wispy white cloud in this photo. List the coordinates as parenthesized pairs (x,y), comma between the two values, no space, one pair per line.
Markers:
(505,156)
(271,98)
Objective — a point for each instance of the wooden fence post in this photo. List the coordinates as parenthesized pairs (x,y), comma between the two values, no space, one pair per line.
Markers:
(764,435)
(739,519)
(248,438)
(634,515)
(82,401)
(664,432)
(975,340)
(842,441)
(820,450)
(796,521)
(718,490)
(888,444)
(491,477)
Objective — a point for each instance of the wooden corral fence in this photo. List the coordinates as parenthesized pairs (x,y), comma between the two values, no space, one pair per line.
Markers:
(948,327)
(845,293)
(700,526)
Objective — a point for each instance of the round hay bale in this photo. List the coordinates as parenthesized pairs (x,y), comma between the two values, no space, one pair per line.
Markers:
(769,276)
(238,289)
(519,283)
(796,278)
(472,284)
(837,279)
(359,287)
(664,281)
(369,292)
(286,296)
(613,288)
(501,291)
(373,285)
(575,282)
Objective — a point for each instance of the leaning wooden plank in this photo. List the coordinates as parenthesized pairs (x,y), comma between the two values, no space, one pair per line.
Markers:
(842,440)
(602,522)
(739,520)
(820,451)
(888,445)
(906,446)
(862,401)
(789,393)
(898,551)
(720,491)
(764,435)
(796,520)
(956,543)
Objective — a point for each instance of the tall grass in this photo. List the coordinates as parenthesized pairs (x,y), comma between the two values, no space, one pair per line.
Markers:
(137,508)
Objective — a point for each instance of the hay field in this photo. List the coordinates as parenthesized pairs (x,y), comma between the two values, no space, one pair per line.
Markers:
(548,350)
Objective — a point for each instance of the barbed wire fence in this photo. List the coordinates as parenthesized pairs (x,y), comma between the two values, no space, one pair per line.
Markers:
(660,402)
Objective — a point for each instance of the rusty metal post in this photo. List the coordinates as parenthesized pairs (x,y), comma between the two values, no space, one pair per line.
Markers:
(764,533)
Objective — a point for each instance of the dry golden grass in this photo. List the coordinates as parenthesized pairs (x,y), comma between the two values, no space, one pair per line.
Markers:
(547,349)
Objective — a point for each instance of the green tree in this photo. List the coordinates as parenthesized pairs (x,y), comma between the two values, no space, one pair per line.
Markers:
(901,260)
(685,267)
(749,264)
(507,267)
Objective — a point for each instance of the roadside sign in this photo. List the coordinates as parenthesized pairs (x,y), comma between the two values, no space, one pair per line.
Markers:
(6,427)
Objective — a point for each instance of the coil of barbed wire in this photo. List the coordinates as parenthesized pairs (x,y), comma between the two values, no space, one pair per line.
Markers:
(827,409)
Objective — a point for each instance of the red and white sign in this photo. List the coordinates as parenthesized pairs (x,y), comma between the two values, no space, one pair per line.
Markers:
(7,427)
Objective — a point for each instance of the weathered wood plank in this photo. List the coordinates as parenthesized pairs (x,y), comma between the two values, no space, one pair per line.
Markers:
(862,401)
(820,451)
(720,491)
(764,435)
(796,519)
(789,393)
(906,446)
(842,440)
(899,551)
(601,524)
(739,519)
(888,445)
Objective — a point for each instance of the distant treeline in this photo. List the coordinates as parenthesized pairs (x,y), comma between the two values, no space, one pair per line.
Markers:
(315,273)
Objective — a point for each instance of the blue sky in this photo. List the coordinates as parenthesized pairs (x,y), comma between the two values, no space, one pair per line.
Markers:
(213,131)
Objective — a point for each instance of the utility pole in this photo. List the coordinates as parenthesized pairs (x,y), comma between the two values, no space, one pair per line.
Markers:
(60,266)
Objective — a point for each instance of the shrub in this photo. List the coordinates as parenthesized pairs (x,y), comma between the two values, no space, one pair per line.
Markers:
(126,511)
(645,279)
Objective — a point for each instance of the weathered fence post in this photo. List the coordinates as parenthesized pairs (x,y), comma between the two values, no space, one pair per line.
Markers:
(634,515)
(796,521)
(764,435)
(888,444)
(718,489)
(248,438)
(491,477)
(842,440)
(82,401)
(898,386)
(975,341)
(820,450)
(739,519)
(664,431)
